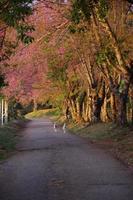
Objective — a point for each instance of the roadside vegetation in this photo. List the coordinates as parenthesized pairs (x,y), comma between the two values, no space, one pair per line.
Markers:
(9,134)
(55,113)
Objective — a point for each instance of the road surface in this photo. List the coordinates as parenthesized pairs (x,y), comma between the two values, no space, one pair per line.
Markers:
(53,165)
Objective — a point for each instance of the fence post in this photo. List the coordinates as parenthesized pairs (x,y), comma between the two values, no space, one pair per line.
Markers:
(2,112)
(6,111)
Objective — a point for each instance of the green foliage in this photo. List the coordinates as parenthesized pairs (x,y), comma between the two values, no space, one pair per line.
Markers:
(13,11)
(2,81)
(105,52)
(76,13)
(13,14)
(72,29)
(43,113)
(58,68)
(58,102)
(54,112)
(23,30)
(103,8)
(83,9)
(79,29)
(101,57)
(58,74)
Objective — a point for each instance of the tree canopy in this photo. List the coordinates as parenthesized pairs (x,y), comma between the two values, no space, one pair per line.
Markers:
(80,59)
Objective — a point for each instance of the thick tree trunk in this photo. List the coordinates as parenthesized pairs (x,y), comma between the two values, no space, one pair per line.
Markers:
(2,112)
(132,116)
(67,112)
(78,109)
(122,109)
(72,109)
(84,111)
(122,98)
(104,113)
(87,111)
(6,111)
(113,108)
(98,102)
(90,109)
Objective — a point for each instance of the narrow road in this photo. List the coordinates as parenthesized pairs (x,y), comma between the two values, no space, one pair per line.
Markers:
(53,165)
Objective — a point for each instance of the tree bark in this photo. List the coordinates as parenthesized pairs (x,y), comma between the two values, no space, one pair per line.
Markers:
(72,109)
(104,113)
(122,109)
(6,111)
(34,105)
(122,99)
(97,105)
(113,108)
(2,112)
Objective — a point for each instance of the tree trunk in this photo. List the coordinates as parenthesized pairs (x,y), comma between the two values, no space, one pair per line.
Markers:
(78,109)
(34,105)
(104,113)
(98,102)
(83,111)
(122,109)
(113,107)
(2,112)
(132,116)
(6,111)
(90,106)
(87,111)
(73,109)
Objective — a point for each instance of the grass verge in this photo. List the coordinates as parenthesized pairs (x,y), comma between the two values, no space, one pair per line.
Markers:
(54,113)
(8,137)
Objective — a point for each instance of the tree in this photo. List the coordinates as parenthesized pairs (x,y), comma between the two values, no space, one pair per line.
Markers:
(13,14)
(99,15)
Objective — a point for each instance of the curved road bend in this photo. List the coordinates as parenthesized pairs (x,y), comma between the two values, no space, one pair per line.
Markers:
(52,165)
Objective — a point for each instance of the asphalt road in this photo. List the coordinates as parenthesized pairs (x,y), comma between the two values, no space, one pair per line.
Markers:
(53,165)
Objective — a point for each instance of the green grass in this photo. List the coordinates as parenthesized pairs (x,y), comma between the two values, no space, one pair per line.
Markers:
(99,131)
(43,113)
(8,139)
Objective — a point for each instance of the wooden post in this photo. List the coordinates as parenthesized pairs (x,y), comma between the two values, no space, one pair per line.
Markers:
(6,111)
(2,112)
